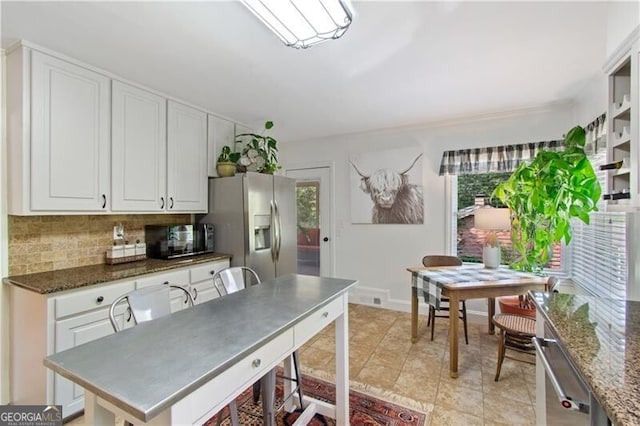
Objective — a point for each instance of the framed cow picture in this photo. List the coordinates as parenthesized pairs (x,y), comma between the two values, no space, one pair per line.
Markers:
(386,187)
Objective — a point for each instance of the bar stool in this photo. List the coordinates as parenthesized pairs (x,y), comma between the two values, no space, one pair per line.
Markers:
(153,302)
(230,280)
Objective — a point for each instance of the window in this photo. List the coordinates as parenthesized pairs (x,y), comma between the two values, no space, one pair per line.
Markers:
(472,191)
(599,250)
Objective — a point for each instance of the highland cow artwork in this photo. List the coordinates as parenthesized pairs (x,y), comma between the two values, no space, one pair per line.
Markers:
(386,187)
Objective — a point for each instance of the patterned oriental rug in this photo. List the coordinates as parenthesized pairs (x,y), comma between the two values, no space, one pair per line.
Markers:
(364,410)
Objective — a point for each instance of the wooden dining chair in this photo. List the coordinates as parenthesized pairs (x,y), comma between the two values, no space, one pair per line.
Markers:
(441,260)
(149,303)
(516,331)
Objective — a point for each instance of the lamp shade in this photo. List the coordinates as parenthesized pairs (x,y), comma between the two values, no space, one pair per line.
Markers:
(492,219)
(303,23)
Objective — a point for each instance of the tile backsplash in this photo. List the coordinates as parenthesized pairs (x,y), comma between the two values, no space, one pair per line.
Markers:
(47,243)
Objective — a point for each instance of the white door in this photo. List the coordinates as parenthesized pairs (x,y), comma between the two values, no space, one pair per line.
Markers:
(69,136)
(315,228)
(186,158)
(138,149)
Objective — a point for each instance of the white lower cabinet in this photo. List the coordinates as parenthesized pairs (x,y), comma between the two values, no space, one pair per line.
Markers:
(201,280)
(43,324)
(75,331)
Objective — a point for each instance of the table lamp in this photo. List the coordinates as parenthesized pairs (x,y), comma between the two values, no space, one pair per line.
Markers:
(492,219)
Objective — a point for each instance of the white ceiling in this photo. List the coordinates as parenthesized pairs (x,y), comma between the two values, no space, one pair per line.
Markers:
(400,63)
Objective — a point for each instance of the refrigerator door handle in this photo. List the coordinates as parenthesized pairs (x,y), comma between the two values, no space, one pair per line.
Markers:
(273,231)
(278,230)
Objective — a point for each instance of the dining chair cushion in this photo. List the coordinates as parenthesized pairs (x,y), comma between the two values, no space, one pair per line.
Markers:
(516,324)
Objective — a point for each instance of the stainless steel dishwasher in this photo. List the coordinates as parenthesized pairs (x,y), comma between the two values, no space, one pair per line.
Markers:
(567,398)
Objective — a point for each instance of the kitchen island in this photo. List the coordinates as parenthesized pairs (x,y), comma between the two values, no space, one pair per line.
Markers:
(194,362)
(601,338)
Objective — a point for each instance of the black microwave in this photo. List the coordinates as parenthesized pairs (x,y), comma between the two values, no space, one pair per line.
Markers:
(172,241)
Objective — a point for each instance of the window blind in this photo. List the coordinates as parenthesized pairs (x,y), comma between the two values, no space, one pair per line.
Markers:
(599,254)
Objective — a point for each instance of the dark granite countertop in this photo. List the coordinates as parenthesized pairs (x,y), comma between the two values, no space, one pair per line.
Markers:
(602,338)
(72,278)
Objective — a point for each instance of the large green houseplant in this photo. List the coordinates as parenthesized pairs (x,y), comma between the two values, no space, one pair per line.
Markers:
(544,196)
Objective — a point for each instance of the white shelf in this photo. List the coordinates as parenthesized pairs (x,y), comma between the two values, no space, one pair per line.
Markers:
(622,109)
(620,138)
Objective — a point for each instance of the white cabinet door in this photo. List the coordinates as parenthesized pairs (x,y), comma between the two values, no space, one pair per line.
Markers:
(69,136)
(187,158)
(203,291)
(138,149)
(72,332)
(221,133)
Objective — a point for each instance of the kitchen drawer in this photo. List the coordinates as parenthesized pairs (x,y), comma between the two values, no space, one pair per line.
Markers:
(92,298)
(235,379)
(318,320)
(205,272)
(180,277)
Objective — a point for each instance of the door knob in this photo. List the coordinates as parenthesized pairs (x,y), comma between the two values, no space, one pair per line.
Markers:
(325,239)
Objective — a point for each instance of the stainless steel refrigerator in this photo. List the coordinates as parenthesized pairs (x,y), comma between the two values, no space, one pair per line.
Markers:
(254,217)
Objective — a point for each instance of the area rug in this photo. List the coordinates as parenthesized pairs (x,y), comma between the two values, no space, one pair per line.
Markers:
(364,410)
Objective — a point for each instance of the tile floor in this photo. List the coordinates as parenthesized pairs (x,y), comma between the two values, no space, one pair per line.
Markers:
(384,362)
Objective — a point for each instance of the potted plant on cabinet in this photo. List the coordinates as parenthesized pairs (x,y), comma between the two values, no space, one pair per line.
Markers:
(226,166)
(260,154)
(544,196)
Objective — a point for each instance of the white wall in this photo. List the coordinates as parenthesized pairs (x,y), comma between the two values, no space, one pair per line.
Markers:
(378,255)
(622,18)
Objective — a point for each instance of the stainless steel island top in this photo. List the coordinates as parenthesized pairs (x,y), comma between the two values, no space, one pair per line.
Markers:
(146,369)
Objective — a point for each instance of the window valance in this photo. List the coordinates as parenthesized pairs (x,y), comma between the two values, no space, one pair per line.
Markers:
(504,158)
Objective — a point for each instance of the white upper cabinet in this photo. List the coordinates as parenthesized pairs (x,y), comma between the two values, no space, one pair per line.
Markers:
(187,158)
(221,133)
(68,136)
(138,150)
(83,141)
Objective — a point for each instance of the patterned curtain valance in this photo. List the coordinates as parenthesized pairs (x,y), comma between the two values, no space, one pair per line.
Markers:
(596,135)
(505,158)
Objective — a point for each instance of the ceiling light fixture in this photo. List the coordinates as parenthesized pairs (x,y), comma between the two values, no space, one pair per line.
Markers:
(303,23)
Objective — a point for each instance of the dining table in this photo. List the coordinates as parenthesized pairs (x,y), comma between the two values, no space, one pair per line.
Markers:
(468,281)
(185,367)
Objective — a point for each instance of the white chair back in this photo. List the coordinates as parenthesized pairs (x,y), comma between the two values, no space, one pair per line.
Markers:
(230,280)
(147,303)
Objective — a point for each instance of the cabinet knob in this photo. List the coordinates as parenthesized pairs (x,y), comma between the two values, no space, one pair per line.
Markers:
(100,299)
(256,363)
(325,239)
(166,283)
(325,314)
(212,272)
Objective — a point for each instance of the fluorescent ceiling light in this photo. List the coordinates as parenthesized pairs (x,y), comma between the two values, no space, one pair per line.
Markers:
(303,23)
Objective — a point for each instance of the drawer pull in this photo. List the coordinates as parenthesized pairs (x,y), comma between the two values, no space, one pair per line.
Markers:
(100,299)
(166,283)
(325,314)
(256,363)
(195,295)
